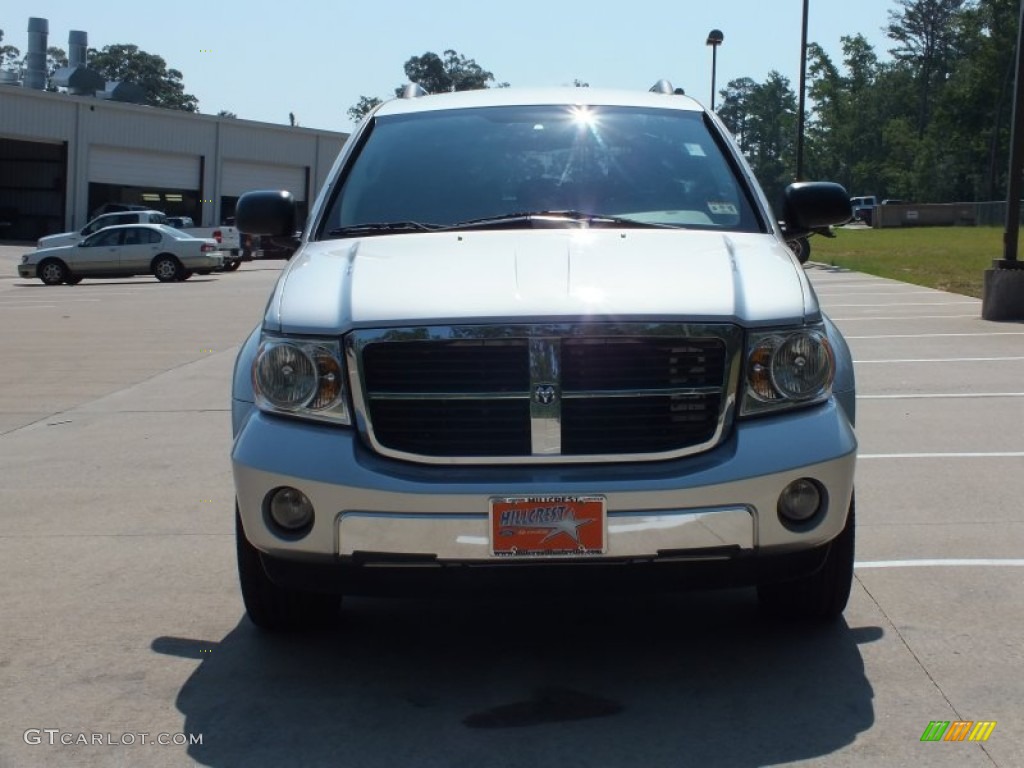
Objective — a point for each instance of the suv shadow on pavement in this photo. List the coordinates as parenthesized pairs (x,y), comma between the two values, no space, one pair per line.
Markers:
(694,679)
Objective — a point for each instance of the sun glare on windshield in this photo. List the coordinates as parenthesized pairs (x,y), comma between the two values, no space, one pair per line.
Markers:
(584,116)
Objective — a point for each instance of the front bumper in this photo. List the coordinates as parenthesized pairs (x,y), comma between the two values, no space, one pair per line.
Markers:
(27,270)
(719,506)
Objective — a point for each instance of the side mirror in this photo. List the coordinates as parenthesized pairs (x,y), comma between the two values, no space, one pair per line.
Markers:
(812,205)
(266,212)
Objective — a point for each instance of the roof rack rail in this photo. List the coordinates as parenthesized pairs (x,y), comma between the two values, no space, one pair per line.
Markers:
(665,86)
(414,91)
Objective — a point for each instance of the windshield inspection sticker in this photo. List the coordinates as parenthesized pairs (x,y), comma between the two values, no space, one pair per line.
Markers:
(695,150)
(722,209)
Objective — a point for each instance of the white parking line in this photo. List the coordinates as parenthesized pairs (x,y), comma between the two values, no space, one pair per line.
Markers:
(891,305)
(991,455)
(883,294)
(954,562)
(29,302)
(31,306)
(899,317)
(934,335)
(939,395)
(941,360)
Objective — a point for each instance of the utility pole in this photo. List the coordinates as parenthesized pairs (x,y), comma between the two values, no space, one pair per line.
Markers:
(800,103)
(1003,288)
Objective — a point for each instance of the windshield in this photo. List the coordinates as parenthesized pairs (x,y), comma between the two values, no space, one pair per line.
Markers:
(648,166)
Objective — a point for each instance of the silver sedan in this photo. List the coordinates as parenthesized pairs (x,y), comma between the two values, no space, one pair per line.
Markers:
(125,251)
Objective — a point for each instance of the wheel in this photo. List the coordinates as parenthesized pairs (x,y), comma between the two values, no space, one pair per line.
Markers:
(167,269)
(73,279)
(231,266)
(821,596)
(186,274)
(275,608)
(801,248)
(53,272)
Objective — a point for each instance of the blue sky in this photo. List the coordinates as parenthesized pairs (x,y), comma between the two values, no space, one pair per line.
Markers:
(315,59)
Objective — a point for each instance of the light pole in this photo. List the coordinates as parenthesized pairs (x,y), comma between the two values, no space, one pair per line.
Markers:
(715,38)
(800,108)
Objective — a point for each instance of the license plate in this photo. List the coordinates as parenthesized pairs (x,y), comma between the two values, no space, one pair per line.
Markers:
(562,526)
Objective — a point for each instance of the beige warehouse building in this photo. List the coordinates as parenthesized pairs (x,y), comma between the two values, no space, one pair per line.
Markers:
(64,156)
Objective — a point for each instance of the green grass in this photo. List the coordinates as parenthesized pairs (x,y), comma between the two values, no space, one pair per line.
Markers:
(951,259)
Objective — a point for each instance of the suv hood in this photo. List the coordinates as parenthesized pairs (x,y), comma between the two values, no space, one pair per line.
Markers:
(540,275)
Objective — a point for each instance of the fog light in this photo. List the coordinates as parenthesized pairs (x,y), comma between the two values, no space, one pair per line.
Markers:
(290,509)
(800,501)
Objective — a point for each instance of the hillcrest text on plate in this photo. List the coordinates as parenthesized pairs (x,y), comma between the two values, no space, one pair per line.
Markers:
(563,526)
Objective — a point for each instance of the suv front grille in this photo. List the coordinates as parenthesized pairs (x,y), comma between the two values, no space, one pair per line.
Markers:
(598,392)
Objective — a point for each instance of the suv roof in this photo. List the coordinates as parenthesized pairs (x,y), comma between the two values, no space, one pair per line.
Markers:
(491,97)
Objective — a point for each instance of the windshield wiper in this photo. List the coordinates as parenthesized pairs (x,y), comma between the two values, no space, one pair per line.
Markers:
(383,228)
(541,218)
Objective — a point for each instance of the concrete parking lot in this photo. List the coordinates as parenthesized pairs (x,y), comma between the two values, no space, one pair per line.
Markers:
(122,617)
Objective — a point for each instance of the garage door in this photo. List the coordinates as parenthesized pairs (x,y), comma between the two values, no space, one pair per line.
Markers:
(240,177)
(109,165)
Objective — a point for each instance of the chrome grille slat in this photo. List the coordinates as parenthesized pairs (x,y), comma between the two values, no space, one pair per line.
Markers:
(550,393)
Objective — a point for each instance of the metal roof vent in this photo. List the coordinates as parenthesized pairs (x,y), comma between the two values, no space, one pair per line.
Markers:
(76,76)
(35,59)
(662,86)
(414,91)
(121,91)
(78,45)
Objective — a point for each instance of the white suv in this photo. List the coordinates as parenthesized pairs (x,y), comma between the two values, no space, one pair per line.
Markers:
(551,333)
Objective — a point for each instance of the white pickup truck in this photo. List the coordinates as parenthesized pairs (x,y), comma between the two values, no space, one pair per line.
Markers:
(227,235)
(101,222)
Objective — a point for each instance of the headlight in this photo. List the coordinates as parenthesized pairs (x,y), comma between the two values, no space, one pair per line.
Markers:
(303,377)
(784,369)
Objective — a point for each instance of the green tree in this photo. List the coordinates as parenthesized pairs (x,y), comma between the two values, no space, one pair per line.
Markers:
(362,108)
(452,73)
(434,74)
(926,37)
(56,58)
(735,109)
(851,107)
(163,86)
(762,116)
(973,111)
(8,53)
(226,113)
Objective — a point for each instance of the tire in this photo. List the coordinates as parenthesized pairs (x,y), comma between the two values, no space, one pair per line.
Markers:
(73,279)
(822,596)
(203,272)
(801,248)
(186,274)
(273,608)
(231,266)
(167,269)
(53,272)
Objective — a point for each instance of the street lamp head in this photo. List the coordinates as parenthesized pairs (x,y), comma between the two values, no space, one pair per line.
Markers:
(715,37)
